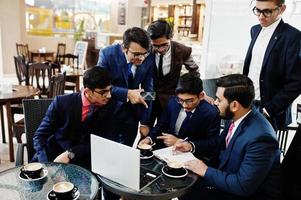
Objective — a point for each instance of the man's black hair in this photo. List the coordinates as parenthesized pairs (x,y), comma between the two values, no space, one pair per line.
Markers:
(97,77)
(137,35)
(160,28)
(189,83)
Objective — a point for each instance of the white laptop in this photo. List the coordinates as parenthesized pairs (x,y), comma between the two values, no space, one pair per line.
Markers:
(119,163)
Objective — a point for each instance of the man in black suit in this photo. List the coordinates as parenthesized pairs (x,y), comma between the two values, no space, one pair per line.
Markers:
(273,62)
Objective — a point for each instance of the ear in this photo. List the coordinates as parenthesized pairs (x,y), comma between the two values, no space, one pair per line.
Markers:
(201,95)
(234,106)
(282,8)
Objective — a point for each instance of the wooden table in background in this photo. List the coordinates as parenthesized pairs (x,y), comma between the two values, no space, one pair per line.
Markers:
(39,57)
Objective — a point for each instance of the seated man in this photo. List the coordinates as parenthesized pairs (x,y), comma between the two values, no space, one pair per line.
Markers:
(64,133)
(187,116)
(247,164)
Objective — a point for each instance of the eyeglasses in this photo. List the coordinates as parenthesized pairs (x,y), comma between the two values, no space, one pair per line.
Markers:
(265,12)
(187,101)
(139,54)
(103,92)
(161,46)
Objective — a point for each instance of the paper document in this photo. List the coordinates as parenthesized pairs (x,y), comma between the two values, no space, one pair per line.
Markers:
(167,155)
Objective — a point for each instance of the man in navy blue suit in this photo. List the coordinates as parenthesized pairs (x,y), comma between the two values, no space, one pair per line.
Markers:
(273,62)
(64,133)
(247,161)
(187,116)
(131,67)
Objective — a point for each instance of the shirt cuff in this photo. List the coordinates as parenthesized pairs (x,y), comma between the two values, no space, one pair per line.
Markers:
(192,150)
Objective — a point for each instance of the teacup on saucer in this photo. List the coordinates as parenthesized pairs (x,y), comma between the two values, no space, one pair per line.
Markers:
(63,191)
(145,149)
(32,170)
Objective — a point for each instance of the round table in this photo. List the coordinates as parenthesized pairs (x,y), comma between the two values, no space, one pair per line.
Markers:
(12,187)
(153,191)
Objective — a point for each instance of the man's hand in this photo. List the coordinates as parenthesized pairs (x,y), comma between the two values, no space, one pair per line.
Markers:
(135,97)
(168,139)
(145,141)
(197,166)
(144,130)
(63,158)
(182,146)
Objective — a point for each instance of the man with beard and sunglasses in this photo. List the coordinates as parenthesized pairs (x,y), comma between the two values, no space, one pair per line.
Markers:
(246,164)
(131,67)
(273,62)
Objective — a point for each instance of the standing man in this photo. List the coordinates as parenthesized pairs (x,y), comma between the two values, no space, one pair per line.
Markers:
(131,67)
(273,62)
(247,161)
(187,115)
(64,133)
(170,56)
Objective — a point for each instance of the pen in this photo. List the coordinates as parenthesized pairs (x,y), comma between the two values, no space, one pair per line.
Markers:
(184,140)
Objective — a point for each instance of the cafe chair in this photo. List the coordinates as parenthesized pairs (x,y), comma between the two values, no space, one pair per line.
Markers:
(59,60)
(57,85)
(34,112)
(23,50)
(72,61)
(290,169)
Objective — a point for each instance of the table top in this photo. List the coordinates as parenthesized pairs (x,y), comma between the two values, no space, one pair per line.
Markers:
(18,92)
(153,191)
(12,187)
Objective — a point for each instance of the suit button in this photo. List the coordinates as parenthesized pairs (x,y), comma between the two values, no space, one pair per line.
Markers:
(261,80)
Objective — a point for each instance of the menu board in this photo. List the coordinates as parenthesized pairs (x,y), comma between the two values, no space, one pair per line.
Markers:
(81,50)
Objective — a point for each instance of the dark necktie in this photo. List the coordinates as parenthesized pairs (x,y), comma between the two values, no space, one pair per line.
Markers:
(160,70)
(185,123)
(130,76)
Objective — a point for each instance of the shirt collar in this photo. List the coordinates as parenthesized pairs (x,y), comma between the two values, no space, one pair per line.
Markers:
(237,122)
(273,26)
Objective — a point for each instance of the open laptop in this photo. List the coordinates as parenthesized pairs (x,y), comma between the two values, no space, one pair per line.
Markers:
(120,163)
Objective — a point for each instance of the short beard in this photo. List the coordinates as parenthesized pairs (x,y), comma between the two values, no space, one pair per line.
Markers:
(228,114)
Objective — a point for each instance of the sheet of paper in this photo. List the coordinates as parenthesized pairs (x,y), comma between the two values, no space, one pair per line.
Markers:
(168,155)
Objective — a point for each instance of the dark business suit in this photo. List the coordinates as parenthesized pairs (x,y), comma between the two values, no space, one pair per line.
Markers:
(204,125)
(249,168)
(165,86)
(62,129)
(280,82)
(113,59)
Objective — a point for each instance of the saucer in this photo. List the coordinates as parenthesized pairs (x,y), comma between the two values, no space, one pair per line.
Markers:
(51,195)
(43,175)
(182,173)
(148,156)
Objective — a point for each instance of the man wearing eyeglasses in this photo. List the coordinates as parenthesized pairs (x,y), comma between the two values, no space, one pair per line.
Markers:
(170,56)
(273,62)
(187,116)
(64,133)
(131,67)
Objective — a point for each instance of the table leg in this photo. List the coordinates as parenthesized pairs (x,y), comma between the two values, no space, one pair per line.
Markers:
(77,84)
(10,131)
(2,124)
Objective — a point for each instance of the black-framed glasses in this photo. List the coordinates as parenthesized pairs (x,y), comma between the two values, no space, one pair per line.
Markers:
(187,101)
(103,92)
(139,54)
(265,12)
(161,46)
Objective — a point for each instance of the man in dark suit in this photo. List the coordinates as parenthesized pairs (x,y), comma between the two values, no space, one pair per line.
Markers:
(202,123)
(170,56)
(247,161)
(64,133)
(131,67)
(273,62)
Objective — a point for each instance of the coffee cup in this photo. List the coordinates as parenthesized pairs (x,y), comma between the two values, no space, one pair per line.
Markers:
(145,149)
(64,190)
(32,170)
(174,167)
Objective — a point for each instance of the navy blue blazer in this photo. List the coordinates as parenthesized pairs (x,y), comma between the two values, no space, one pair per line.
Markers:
(280,82)
(62,129)
(250,166)
(204,125)
(113,59)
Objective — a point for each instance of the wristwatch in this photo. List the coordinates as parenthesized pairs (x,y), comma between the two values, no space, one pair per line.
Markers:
(71,154)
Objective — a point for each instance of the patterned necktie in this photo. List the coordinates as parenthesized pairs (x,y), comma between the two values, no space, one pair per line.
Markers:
(130,75)
(230,132)
(185,122)
(160,70)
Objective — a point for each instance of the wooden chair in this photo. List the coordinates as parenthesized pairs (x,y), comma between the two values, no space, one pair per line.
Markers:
(23,50)
(21,70)
(34,111)
(73,62)
(61,50)
(57,85)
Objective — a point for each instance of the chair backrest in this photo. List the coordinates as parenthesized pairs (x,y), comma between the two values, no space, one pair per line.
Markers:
(209,86)
(23,50)
(21,69)
(57,85)
(71,59)
(42,74)
(61,50)
(291,165)
(34,112)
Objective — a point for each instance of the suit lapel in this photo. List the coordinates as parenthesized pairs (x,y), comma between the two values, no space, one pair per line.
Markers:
(123,64)
(275,37)
(174,116)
